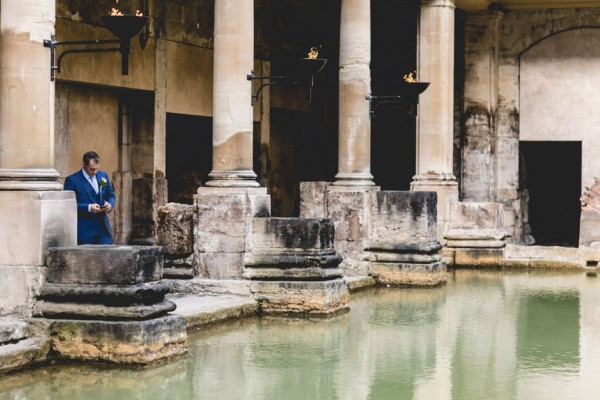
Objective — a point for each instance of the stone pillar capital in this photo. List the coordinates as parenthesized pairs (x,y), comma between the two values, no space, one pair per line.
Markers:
(438,3)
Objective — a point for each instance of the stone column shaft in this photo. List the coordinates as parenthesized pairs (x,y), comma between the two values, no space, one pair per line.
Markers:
(436,65)
(354,152)
(34,211)
(26,97)
(480,107)
(436,113)
(232,108)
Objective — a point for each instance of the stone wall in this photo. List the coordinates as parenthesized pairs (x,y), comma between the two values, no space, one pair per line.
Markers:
(518,71)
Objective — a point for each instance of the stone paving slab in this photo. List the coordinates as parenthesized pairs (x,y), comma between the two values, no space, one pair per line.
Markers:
(201,310)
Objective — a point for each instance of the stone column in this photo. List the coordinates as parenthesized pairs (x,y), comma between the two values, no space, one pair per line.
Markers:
(435,121)
(480,106)
(232,198)
(34,211)
(232,108)
(354,154)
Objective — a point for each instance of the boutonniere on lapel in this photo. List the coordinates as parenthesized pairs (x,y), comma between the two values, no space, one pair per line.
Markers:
(102,183)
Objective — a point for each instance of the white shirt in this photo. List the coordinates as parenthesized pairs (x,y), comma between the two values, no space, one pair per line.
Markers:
(93,181)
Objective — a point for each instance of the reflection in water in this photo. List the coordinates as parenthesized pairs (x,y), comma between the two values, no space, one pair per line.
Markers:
(489,335)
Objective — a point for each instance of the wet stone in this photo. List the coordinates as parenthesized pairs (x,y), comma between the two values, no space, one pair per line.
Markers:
(104,264)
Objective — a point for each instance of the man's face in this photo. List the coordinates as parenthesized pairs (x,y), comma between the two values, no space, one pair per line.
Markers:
(92,167)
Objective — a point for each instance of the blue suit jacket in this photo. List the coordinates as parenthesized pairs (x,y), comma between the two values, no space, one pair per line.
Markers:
(90,224)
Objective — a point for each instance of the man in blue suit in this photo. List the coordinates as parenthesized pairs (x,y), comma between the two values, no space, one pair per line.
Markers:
(95,199)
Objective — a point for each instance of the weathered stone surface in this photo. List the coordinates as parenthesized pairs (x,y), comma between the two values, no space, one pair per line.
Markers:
(475,243)
(49,309)
(485,216)
(13,330)
(404,257)
(174,229)
(356,283)
(478,257)
(403,217)
(291,273)
(350,210)
(18,285)
(292,249)
(313,202)
(27,352)
(220,265)
(104,264)
(293,233)
(589,228)
(301,297)
(143,292)
(127,342)
(32,221)
(222,228)
(408,274)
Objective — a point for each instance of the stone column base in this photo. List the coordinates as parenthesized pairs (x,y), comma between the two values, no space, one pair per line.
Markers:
(409,274)
(124,342)
(318,298)
(223,228)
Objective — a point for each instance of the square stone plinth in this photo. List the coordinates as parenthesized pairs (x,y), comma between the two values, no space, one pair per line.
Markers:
(301,297)
(123,342)
(104,264)
(409,274)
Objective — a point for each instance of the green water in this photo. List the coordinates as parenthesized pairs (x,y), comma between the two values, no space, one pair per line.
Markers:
(485,335)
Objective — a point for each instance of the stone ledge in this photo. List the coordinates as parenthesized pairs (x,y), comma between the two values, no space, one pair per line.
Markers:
(430,247)
(356,283)
(292,274)
(141,292)
(204,310)
(407,274)
(48,309)
(13,330)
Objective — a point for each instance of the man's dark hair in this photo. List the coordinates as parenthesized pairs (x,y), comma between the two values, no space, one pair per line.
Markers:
(90,155)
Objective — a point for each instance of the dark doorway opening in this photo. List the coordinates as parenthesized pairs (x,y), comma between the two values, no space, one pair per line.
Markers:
(551,172)
(189,155)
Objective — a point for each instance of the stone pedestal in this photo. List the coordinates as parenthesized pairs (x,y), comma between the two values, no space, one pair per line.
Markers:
(223,227)
(109,305)
(435,123)
(349,208)
(391,236)
(294,268)
(476,237)
(30,222)
(403,244)
(124,342)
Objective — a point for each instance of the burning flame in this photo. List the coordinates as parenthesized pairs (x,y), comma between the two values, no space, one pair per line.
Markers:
(313,53)
(117,12)
(410,78)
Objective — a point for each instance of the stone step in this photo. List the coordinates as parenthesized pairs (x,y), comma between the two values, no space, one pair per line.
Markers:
(583,256)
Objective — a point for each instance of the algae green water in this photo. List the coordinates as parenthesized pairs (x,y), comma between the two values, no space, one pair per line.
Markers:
(485,335)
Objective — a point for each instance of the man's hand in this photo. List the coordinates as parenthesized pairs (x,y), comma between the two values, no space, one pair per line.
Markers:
(95,208)
(106,207)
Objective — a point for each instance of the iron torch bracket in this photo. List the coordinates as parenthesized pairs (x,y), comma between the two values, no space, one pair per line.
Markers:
(308,69)
(409,95)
